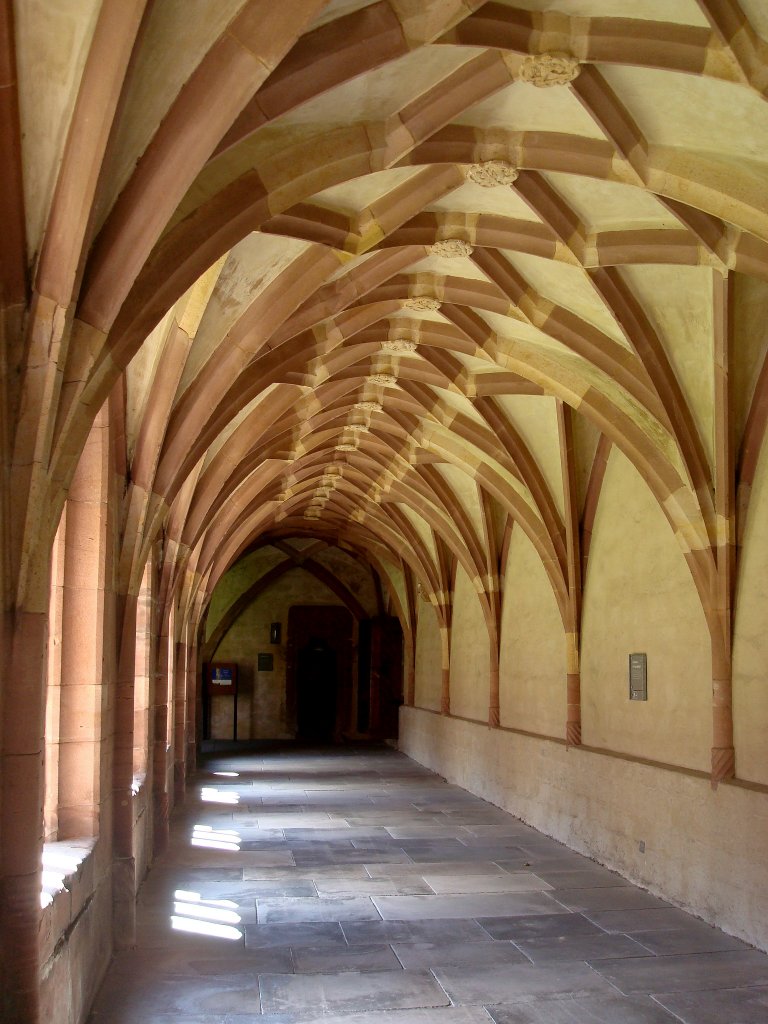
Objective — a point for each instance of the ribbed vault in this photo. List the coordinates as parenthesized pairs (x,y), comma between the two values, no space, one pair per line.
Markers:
(393,275)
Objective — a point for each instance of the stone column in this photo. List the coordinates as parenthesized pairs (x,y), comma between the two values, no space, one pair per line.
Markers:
(21,817)
(573,691)
(123,860)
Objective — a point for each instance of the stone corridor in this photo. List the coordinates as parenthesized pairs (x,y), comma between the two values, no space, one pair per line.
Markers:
(300,884)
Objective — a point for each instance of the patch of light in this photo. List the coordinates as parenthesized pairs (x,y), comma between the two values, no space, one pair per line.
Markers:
(200,911)
(217,839)
(229,775)
(182,896)
(197,927)
(214,918)
(65,861)
(222,833)
(53,880)
(211,795)
(60,861)
(213,844)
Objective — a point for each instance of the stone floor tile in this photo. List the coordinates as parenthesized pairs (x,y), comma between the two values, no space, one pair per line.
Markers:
(311,859)
(685,973)
(520,881)
(157,964)
(697,937)
(414,1015)
(541,862)
(582,878)
(460,853)
(347,992)
(635,921)
(546,926)
(413,908)
(618,897)
(320,960)
(133,1003)
(265,858)
(341,832)
(584,1010)
(509,984)
(266,888)
(413,931)
(287,874)
(287,911)
(121,1014)
(424,955)
(603,946)
(433,868)
(435,830)
(406,886)
(259,936)
(726,1006)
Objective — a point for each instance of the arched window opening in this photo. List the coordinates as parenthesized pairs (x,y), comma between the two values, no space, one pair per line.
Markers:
(142,679)
(53,691)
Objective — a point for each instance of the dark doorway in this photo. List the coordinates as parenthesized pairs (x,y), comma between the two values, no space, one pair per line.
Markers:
(316,691)
(386,690)
(319,672)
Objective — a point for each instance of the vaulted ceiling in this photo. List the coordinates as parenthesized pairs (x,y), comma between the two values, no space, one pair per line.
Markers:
(394,273)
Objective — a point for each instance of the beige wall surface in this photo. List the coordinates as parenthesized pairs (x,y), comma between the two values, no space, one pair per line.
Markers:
(581,798)
(470,652)
(532,651)
(640,597)
(750,641)
(429,658)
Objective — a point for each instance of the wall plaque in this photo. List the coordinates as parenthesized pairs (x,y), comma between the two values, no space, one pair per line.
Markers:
(638,677)
(266,663)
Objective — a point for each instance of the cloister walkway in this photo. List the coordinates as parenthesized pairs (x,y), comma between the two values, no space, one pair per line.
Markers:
(357,884)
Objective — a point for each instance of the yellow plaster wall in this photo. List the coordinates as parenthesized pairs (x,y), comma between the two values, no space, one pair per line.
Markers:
(750,641)
(470,652)
(532,655)
(680,307)
(639,596)
(428,676)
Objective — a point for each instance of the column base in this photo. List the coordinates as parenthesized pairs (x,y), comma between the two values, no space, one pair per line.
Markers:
(723,764)
(573,734)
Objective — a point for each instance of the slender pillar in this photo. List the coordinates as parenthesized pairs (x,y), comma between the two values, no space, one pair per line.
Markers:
(573,575)
(445,693)
(409,666)
(723,754)
(86,670)
(180,719)
(494,711)
(21,817)
(192,702)
(573,691)
(163,737)
(123,858)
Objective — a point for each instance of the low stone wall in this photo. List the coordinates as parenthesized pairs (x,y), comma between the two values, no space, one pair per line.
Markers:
(666,829)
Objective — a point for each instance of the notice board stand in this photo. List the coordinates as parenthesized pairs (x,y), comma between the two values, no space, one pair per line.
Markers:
(221,681)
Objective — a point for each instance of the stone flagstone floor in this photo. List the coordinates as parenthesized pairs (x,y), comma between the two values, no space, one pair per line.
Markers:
(358,886)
